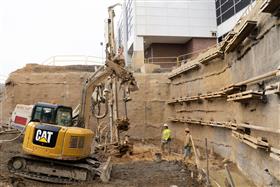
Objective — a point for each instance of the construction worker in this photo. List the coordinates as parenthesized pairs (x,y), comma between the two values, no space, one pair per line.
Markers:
(166,138)
(187,144)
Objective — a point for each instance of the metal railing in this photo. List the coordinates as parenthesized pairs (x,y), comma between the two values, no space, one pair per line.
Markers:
(163,62)
(62,60)
(177,60)
(159,60)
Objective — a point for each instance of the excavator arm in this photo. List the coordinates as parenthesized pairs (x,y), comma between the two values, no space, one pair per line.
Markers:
(109,70)
(113,68)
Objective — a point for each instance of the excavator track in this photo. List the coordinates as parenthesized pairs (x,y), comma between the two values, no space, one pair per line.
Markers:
(60,172)
(44,178)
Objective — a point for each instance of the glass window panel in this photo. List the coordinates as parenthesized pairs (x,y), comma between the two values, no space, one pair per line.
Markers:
(219,21)
(218,12)
(217,3)
(63,117)
(223,2)
(242,4)
(228,14)
(47,115)
(37,114)
(229,4)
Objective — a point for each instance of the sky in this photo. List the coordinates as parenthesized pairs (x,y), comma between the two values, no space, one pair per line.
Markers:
(31,31)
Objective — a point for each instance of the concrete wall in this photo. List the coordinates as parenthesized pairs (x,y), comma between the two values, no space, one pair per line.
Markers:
(182,18)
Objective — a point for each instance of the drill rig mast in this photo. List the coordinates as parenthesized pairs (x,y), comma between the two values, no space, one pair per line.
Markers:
(112,73)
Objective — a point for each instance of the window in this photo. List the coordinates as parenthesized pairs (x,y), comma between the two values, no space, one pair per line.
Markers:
(37,114)
(63,117)
(219,21)
(228,14)
(242,4)
(227,5)
(225,9)
(46,114)
(43,114)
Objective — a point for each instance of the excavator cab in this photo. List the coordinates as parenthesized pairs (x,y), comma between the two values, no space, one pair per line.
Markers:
(50,133)
(52,114)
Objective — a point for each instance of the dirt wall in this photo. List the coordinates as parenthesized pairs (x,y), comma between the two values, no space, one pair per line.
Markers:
(55,84)
(254,57)
(34,83)
(148,110)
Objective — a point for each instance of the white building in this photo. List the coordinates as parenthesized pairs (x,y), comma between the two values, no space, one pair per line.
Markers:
(165,28)
(228,13)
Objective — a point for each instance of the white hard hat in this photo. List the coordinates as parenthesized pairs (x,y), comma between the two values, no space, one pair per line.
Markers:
(165,125)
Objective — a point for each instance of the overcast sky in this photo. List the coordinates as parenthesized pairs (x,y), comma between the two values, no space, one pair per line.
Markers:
(34,30)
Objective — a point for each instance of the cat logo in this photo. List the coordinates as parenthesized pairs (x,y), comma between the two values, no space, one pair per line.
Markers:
(43,136)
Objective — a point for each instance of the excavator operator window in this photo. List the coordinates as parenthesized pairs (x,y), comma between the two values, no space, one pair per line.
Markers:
(63,117)
(44,115)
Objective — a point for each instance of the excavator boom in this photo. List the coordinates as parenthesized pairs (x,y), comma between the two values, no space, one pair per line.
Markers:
(111,68)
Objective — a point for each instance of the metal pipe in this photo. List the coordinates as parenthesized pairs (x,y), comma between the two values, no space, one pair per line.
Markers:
(111,36)
(96,101)
(111,122)
(125,105)
(105,145)
(258,78)
(254,127)
(111,112)
(115,96)
(229,177)
(115,106)
(207,164)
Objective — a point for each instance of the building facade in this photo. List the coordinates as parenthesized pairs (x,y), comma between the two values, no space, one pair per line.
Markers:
(228,12)
(155,29)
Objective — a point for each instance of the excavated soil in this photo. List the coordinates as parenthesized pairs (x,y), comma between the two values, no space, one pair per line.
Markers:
(150,173)
(137,170)
(130,174)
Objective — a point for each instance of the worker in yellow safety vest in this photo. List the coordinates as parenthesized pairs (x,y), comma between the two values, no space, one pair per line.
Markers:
(166,138)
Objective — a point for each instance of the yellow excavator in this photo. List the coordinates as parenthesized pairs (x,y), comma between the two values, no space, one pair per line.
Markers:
(57,145)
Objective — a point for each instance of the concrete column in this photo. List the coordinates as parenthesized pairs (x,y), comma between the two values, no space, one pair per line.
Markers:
(138,53)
